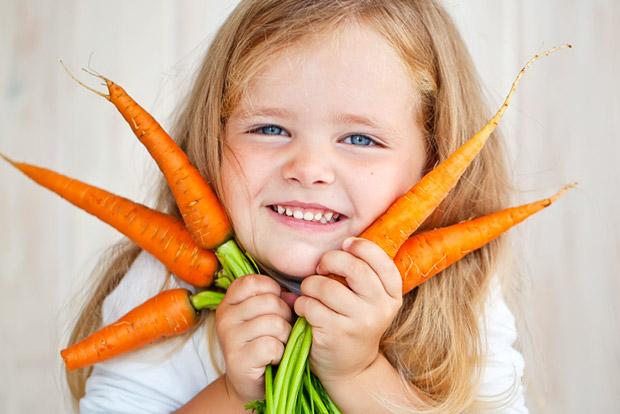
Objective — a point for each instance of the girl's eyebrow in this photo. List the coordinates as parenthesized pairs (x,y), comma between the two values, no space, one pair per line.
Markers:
(251,112)
(341,118)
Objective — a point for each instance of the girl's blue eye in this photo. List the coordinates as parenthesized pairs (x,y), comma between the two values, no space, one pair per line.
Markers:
(268,130)
(362,140)
(355,139)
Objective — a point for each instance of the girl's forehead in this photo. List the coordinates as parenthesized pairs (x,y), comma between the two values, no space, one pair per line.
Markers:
(348,49)
(352,66)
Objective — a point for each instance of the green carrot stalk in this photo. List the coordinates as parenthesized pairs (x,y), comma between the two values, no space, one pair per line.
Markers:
(269,389)
(297,370)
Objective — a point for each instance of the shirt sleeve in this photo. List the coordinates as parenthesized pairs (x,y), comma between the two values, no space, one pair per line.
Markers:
(159,378)
(501,381)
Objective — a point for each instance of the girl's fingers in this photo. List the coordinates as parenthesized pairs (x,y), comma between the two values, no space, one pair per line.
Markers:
(359,275)
(316,313)
(380,263)
(264,351)
(331,293)
(263,304)
(248,286)
(265,325)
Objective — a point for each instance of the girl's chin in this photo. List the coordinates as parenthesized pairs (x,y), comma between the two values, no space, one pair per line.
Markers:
(295,266)
(294,259)
(296,271)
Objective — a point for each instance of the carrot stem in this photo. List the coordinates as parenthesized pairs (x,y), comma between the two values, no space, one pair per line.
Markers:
(280,379)
(234,262)
(315,398)
(207,299)
(287,375)
(234,265)
(269,389)
(297,369)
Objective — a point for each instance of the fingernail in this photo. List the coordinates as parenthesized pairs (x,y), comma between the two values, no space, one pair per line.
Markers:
(347,243)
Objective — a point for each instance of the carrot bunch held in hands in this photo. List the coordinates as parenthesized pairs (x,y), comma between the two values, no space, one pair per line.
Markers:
(185,247)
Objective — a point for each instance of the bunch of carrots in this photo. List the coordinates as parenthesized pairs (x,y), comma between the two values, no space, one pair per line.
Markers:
(201,249)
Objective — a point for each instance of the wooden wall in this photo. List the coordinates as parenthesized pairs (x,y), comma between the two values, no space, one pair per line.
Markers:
(562,127)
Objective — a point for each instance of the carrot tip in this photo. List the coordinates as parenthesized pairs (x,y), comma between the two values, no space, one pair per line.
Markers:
(84,85)
(7,159)
(562,191)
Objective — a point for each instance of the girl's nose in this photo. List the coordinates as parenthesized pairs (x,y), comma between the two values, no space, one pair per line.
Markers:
(309,166)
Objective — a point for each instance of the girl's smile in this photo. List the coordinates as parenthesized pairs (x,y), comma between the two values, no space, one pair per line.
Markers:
(323,141)
(306,219)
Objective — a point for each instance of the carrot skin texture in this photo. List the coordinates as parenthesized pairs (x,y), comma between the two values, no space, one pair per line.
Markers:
(409,211)
(202,212)
(428,253)
(160,234)
(168,314)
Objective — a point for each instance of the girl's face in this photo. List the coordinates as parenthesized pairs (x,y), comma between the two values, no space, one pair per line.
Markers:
(328,128)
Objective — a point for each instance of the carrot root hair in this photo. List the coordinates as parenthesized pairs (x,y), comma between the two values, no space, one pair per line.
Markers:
(91,72)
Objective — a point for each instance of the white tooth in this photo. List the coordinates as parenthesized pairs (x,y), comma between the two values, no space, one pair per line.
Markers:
(323,220)
(328,215)
(289,212)
(281,210)
(298,214)
(318,216)
(308,216)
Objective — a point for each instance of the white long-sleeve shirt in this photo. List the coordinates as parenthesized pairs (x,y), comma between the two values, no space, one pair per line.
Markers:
(164,376)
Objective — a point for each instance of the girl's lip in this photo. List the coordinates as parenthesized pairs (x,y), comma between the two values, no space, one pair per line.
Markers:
(308,226)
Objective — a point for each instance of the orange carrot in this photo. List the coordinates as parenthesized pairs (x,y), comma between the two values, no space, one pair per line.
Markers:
(160,234)
(428,253)
(167,314)
(202,212)
(409,211)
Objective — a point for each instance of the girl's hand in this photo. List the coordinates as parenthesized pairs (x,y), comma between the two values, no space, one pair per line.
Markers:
(253,324)
(347,323)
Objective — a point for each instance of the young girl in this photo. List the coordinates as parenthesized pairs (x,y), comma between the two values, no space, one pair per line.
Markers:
(310,119)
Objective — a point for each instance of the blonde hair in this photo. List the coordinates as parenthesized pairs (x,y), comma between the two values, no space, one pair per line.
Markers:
(435,340)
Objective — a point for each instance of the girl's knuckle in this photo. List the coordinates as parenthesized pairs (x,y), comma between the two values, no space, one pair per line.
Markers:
(234,286)
(269,303)
(276,322)
(249,282)
(270,348)
(278,352)
(283,328)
